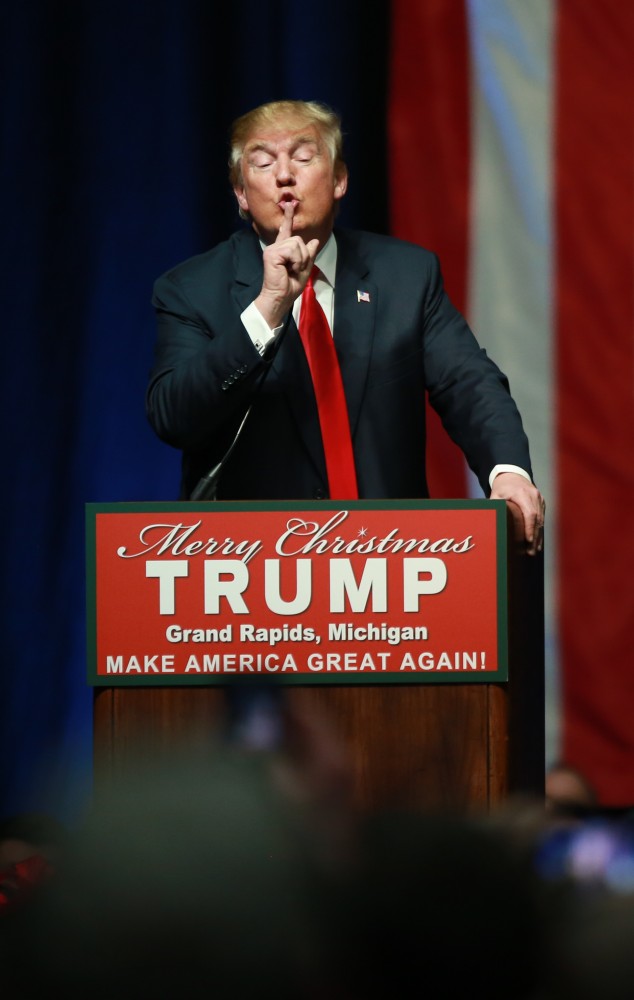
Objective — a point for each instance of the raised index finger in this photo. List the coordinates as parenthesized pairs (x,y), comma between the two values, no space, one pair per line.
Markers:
(286,228)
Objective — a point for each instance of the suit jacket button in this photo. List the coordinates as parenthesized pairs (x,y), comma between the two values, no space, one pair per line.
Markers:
(320,494)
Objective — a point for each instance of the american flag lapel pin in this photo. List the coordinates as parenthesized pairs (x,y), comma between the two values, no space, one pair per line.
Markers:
(363,296)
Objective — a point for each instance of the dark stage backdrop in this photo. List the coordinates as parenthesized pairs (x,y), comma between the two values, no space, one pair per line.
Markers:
(114,144)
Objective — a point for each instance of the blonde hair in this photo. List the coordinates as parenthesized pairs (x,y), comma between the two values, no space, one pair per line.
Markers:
(325,120)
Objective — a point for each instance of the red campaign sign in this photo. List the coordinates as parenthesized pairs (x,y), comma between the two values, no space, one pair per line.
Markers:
(186,593)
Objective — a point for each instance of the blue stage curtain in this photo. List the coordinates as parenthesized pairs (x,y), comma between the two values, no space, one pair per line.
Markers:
(114,130)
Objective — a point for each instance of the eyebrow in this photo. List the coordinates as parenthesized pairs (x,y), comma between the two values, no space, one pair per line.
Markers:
(267,147)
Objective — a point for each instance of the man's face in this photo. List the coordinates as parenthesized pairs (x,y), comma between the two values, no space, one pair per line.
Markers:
(285,163)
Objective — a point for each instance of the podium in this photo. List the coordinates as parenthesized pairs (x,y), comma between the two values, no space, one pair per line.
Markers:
(461,740)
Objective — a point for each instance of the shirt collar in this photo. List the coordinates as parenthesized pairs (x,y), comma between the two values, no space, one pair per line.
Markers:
(326,260)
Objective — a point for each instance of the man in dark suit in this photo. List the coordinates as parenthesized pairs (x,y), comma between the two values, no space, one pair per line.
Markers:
(227,337)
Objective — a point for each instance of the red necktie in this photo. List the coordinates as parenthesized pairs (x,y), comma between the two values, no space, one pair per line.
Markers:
(331,401)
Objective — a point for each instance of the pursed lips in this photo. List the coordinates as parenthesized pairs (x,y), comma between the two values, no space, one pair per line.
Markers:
(287,199)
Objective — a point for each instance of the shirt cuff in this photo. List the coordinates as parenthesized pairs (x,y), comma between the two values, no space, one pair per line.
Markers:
(507,468)
(258,329)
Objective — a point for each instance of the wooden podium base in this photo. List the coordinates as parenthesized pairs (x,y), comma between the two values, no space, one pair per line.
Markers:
(411,746)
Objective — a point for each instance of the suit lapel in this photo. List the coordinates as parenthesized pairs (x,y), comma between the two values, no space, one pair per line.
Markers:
(248,267)
(356,298)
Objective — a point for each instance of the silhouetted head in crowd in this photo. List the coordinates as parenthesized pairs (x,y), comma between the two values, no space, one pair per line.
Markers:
(26,834)
(445,907)
(193,880)
(569,793)
(31,845)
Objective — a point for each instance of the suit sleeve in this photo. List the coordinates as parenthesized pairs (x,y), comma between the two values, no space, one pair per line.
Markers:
(205,368)
(468,390)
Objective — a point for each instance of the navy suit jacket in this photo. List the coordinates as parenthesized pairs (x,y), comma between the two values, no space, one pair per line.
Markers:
(401,339)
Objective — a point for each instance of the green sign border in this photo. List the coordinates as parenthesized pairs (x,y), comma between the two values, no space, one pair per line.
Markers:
(153,680)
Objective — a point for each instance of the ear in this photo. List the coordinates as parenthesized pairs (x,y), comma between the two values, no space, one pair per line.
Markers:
(241,197)
(341,183)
